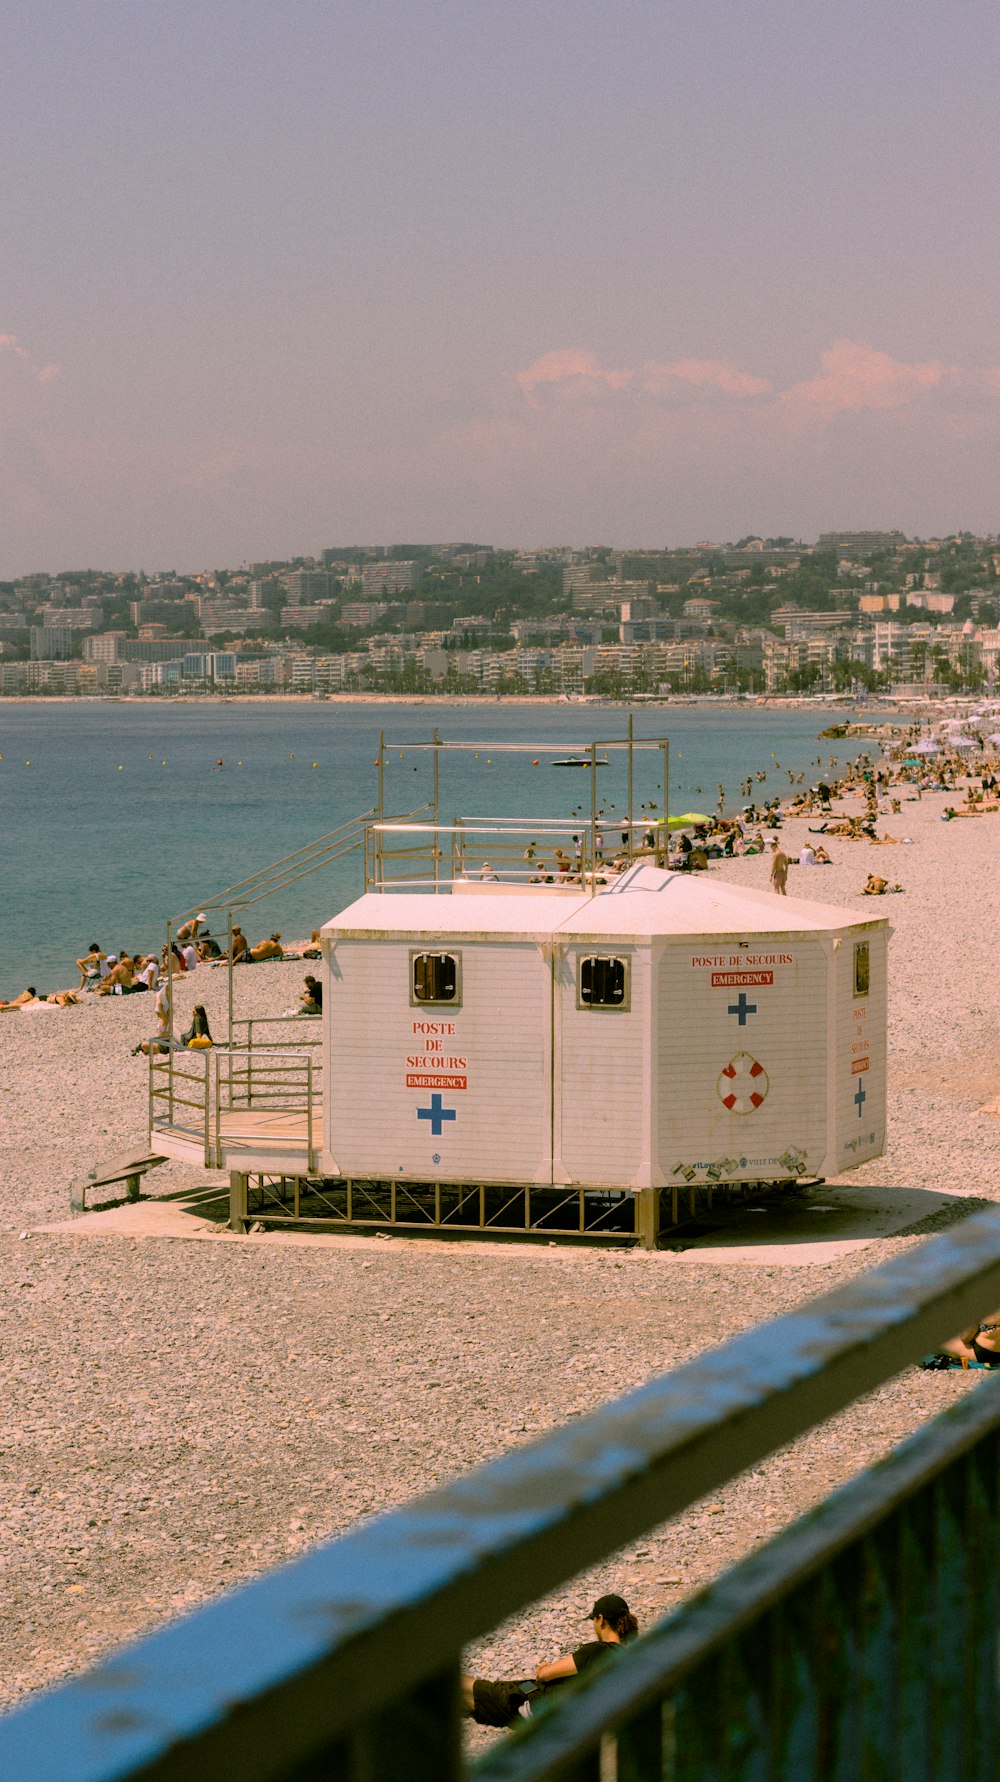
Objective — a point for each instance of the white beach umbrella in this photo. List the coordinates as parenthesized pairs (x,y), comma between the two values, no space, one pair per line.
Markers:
(963,742)
(926,746)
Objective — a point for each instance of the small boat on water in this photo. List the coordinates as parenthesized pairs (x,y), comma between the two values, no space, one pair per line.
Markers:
(580,761)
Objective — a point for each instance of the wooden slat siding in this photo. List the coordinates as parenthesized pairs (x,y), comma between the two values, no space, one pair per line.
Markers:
(503,1132)
(600,1111)
(698,1038)
(845,1152)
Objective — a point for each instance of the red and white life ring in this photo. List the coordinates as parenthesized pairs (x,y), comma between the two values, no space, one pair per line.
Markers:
(743,1084)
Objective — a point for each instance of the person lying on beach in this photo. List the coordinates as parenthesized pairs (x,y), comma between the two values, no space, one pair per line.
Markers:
(18,1002)
(30,999)
(91,965)
(266,949)
(502,1703)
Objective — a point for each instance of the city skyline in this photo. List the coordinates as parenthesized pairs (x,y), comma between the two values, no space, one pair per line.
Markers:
(540,274)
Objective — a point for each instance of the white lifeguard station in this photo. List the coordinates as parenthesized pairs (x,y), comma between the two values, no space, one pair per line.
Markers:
(588,1046)
(668,1031)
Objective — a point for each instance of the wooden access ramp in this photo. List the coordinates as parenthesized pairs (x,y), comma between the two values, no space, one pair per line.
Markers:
(129,1169)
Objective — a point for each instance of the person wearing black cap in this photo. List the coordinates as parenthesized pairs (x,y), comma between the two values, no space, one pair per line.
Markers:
(500,1703)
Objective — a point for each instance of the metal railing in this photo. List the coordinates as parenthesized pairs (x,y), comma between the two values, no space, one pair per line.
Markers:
(254,1081)
(180,1095)
(861,1644)
(191,1093)
(305,1032)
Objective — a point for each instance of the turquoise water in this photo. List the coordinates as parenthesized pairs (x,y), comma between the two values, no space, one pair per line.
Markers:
(115,817)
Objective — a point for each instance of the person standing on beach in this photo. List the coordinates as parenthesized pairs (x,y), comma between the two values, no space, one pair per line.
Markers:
(779,869)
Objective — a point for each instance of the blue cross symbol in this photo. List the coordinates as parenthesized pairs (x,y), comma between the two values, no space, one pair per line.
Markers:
(741,1008)
(859,1099)
(436,1114)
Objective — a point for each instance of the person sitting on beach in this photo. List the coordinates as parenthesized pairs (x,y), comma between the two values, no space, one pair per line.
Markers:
(311,997)
(164,1039)
(267,949)
(92,967)
(119,978)
(240,949)
(197,1035)
(875,887)
(147,974)
(978,1345)
(502,1703)
(807,856)
(208,949)
(189,954)
(314,950)
(823,858)
(188,931)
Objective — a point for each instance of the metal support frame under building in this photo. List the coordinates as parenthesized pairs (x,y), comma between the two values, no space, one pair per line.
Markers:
(478,1209)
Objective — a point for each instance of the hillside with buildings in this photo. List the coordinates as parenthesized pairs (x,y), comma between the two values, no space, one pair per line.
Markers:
(854,610)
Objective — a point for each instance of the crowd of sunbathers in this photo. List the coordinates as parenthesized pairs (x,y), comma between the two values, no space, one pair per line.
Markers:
(131,974)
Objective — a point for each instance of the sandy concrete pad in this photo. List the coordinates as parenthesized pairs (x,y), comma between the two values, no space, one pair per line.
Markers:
(809,1229)
(798,1231)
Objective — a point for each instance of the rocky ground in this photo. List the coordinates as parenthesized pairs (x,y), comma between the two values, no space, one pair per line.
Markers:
(177,1416)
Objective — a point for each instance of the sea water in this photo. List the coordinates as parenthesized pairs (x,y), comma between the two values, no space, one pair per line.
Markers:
(117,817)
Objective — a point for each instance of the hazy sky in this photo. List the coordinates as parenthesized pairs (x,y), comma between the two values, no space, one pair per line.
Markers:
(276,277)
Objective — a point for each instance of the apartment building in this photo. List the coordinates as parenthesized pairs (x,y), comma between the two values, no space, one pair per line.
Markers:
(386,577)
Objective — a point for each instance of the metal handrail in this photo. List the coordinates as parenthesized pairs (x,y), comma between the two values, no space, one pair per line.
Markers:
(270,1078)
(346,1662)
(858,1530)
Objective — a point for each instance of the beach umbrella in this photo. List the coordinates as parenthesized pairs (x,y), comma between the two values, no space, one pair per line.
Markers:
(687,820)
(995,738)
(963,742)
(927,746)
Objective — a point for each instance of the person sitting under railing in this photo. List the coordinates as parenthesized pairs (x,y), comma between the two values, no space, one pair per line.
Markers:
(978,1346)
(502,1703)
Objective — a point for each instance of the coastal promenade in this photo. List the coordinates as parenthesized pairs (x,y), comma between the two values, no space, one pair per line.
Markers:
(183,1413)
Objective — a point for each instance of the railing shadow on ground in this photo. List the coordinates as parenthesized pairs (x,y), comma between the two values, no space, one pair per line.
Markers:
(861,1643)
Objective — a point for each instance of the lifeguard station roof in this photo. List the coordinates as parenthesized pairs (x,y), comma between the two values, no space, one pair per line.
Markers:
(647,901)
(643,901)
(483,910)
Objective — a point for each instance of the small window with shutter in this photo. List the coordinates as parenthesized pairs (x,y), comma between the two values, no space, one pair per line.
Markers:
(602,982)
(435,977)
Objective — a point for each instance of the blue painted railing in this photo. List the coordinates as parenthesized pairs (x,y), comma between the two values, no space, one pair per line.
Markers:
(861,1644)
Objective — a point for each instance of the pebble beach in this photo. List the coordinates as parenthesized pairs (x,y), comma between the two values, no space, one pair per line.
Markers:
(180,1414)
